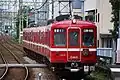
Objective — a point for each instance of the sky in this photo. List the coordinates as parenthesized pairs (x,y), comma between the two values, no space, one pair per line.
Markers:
(14,5)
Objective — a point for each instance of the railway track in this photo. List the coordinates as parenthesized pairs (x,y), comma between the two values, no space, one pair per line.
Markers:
(6,68)
(18,61)
(4,45)
(14,45)
(46,76)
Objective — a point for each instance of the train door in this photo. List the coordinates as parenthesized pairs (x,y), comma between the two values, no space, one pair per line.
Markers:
(73,44)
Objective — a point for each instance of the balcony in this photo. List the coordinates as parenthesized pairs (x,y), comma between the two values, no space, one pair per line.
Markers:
(105,52)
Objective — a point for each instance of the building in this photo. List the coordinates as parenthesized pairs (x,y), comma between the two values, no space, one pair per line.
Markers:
(99,11)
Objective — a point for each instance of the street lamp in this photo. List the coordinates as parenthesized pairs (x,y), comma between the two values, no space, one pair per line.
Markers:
(118,42)
(119,24)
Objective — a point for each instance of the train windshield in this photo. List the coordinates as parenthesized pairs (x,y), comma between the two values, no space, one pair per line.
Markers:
(59,37)
(88,37)
(73,37)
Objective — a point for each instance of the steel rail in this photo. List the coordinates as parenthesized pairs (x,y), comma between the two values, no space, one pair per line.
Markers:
(6,70)
(17,59)
(15,46)
(21,65)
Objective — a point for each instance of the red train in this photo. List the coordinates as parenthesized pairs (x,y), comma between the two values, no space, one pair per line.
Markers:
(67,44)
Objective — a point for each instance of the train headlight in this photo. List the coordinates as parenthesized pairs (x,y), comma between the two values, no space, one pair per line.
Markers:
(74,21)
(85,52)
(59,30)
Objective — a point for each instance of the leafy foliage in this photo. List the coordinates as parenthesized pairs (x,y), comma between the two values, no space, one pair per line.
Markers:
(115,18)
(17,27)
(102,72)
(23,13)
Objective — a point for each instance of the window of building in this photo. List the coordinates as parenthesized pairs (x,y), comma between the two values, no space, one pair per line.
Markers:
(96,11)
(98,17)
(97,43)
(109,43)
(103,42)
(91,16)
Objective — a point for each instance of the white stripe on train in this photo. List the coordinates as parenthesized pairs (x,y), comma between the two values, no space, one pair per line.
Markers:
(58,49)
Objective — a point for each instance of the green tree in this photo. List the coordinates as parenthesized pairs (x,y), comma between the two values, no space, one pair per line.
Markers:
(115,18)
(24,13)
(17,26)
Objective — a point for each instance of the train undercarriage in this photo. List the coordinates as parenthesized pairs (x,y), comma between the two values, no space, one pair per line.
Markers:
(63,69)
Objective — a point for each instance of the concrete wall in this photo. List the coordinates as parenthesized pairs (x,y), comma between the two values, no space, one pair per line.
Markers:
(104,10)
(89,5)
(104,25)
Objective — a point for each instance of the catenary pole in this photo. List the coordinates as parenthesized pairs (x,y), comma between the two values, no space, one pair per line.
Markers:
(116,57)
(52,9)
(19,13)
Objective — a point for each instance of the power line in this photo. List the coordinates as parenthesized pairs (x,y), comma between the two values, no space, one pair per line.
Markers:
(40,6)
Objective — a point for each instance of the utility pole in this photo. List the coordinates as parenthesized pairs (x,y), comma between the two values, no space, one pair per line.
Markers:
(118,42)
(82,2)
(19,13)
(70,9)
(35,11)
(27,16)
(119,23)
(52,9)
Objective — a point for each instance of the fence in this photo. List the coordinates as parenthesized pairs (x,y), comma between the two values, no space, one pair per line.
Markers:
(105,52)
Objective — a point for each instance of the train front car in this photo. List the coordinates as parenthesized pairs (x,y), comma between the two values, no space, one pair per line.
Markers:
(73,45)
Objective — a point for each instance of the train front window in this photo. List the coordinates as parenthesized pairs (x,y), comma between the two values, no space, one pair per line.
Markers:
(73,37)
(88,37)
(59,37)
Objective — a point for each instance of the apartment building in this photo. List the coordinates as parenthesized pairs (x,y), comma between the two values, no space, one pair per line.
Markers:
(99,11)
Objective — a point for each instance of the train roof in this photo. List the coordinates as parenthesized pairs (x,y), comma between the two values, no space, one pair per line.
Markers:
(36,29)
(79,22)
(65,22)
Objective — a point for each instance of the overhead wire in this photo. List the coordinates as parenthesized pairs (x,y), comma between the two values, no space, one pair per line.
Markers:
(47,4)
(42,5)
